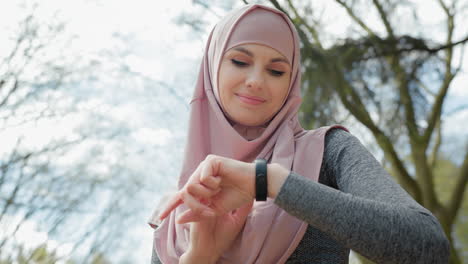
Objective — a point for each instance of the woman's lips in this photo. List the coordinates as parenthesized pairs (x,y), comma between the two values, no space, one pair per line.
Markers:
(250,99)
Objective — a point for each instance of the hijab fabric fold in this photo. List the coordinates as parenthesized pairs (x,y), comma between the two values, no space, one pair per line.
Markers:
(270,234)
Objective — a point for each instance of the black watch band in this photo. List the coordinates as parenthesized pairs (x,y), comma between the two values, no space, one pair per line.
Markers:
(261,184)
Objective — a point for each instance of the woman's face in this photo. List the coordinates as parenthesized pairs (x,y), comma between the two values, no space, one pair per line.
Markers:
(253,81)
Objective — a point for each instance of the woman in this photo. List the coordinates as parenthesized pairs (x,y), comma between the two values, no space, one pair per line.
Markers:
(327,194)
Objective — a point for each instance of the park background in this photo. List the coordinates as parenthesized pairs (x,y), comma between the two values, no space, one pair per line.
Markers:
(94,101)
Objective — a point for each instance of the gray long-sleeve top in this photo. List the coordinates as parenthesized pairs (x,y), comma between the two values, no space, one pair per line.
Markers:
(357,205)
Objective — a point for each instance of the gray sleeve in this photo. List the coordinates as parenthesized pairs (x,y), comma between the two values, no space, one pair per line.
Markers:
(368,211)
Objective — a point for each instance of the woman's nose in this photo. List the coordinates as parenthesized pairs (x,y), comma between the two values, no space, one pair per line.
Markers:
(255,80)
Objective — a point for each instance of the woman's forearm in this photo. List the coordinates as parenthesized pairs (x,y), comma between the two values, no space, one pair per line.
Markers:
(366,210)
(383,232)
(276,177)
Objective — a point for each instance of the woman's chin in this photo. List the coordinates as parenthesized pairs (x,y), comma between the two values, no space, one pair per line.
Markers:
(249,122)
(247,118)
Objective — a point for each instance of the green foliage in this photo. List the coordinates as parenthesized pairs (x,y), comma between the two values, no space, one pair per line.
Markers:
(42,255)
(99,259)
(38,255)
(445,172)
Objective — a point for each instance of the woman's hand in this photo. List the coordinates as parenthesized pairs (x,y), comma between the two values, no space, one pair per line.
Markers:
(218,186)
(212,236)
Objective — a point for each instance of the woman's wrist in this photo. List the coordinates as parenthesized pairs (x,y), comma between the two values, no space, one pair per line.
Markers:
(277,175)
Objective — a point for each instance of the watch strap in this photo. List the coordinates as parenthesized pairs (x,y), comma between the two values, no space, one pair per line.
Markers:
(261,184)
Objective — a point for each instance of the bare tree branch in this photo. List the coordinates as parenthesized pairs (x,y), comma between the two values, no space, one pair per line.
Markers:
(448,77)
(312,30)
(353,103)
(383,16)
(446,46)
(444,7)
(438,142)
(403,88)
(356,19)
(460,188)
(8,95)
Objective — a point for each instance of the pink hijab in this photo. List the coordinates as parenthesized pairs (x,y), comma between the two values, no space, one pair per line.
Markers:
(270,234)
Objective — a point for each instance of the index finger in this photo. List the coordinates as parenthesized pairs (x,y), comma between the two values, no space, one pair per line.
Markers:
(170,206)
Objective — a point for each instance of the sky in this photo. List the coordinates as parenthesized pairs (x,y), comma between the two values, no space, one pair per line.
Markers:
(161,50)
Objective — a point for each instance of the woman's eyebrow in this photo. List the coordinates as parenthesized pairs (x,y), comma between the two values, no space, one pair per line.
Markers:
(244,50)
(249,53)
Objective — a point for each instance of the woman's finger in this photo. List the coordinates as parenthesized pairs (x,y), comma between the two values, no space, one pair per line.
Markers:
(210,170)
(200,191)
(171,205)
(211,181)
(195,205)
(178,199)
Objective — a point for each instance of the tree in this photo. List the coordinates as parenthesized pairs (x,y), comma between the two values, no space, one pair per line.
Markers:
(445,173)
(394,81)
(395,84)
(39,254)
(86,202)
(42,255)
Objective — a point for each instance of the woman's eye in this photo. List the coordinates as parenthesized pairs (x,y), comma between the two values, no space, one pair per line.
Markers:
(239,63)
(276,73)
